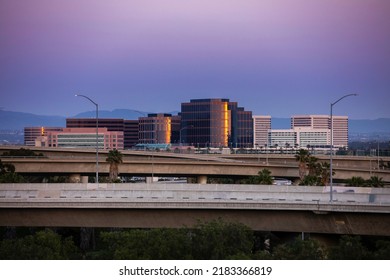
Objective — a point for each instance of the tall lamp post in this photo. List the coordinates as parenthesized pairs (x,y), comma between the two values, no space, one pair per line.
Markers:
(331,142)
(97,134)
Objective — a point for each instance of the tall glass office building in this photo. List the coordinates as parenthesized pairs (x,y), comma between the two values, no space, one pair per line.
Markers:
(216,123)
(159,129)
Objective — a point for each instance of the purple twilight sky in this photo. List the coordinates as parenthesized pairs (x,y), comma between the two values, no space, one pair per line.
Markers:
(274,57)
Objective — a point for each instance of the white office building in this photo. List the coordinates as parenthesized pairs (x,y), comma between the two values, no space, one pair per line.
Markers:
(301,137)
(312,137)
(261,126)
(282,138)
(340,126)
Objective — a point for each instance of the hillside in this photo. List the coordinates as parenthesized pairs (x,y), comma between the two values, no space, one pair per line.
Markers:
(17,120)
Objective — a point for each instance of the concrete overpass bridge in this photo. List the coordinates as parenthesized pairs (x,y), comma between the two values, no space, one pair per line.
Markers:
(361,211)
(79,163)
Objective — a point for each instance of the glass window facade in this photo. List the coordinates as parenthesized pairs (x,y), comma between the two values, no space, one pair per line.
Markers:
(158,129)
(215,123)
(79,141)
(280,137)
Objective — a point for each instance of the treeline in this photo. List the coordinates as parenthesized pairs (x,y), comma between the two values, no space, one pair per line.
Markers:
(215,240)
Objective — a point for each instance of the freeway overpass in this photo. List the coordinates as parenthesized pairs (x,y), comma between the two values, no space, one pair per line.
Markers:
(149,164)
(361,211)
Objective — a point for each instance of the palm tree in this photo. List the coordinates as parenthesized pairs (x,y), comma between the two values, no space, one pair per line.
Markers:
(310,180)
(356,182)
(375,182)
(302,157)
(264,177)
(325,173)
(114,158)
(313,165)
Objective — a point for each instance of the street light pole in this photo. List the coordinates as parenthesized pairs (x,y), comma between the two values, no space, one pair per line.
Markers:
(97,135)
(331,143)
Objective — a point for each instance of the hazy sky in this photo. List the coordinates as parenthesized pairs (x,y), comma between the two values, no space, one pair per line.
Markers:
(274,57)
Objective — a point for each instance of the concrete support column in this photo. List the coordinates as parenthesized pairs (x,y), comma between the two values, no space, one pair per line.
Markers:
(150,180)
(84,179)
(75,178)
(202,179)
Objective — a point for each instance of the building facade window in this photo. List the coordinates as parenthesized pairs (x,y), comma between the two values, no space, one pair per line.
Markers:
(216,123)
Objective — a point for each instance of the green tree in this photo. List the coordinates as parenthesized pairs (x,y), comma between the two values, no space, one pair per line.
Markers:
(114,158)
(212,240)
(251,180)
(375,182)
(264,177)
(12,178)
(6,168)
(221,240)
(324,170)
(300,250)
(312,165)
(8,175)
(319,173)
(218,180)
(356,182)
(137,244)
(382,251)
(43,245)
(302,157)
(310,180)
(349,248)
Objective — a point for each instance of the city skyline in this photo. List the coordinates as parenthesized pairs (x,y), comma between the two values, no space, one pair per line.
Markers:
(281,59)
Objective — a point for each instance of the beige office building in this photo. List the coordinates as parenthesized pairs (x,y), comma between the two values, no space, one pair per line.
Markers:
(340,126)
(85,138)
(261,127)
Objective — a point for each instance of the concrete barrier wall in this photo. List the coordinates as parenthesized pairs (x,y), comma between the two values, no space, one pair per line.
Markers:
(198,192)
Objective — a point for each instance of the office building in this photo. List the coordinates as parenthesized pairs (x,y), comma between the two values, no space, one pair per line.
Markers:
(340,126)
(175,129)
(159,129)
(340,131)
(308,137)
(282,138)
(110,124)
(299,137)
(243,128)
(32,133)
(128,127)
(261,126)
(310,121)
(130,133)
(85,138)
(216,123)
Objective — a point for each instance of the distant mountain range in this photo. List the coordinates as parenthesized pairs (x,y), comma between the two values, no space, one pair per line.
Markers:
(17,120)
